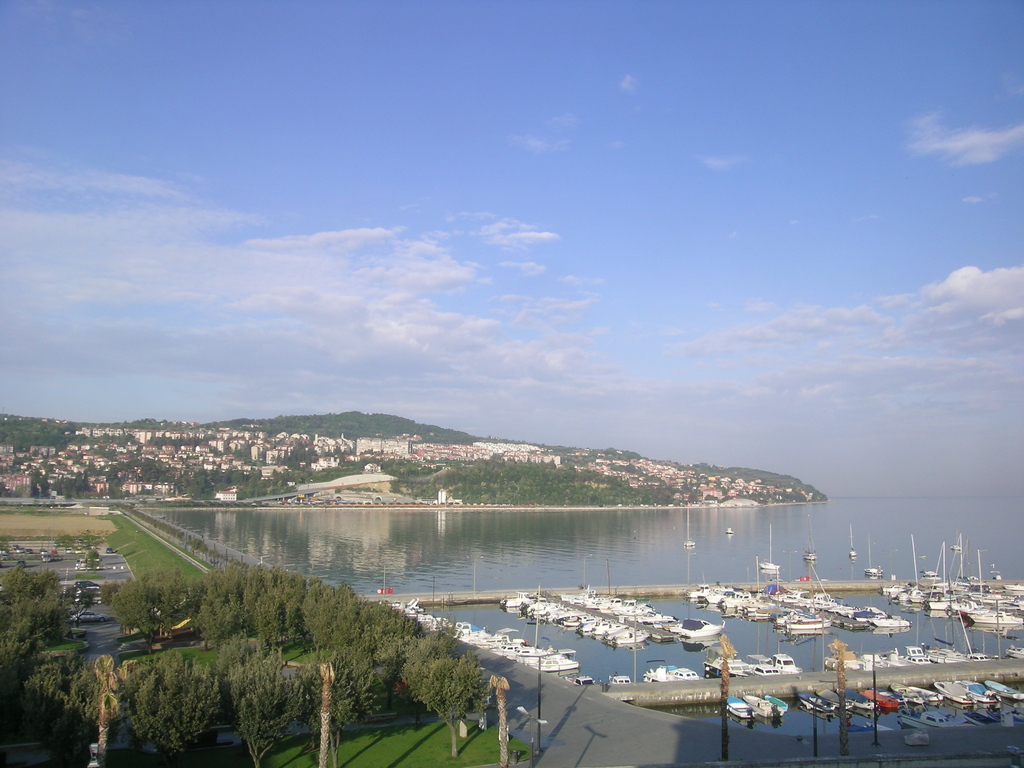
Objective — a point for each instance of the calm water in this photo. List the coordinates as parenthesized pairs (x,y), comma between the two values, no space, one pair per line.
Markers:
(451,549)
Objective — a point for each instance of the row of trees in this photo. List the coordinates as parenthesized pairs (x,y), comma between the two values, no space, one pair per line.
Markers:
(249,614)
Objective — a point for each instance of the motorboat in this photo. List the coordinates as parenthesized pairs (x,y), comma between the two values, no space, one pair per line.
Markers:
(767,707)
(1013,652)
(980,695)
(918,696)
(715,661)
(561,661)
(797,622)
(696,628)
(1004,692)
(620,680)
(982,717)
(954,692)
(928,718)
(815,704)
(884,700)
(669,674)
(739,708)
(855,702)
(519,602)
(730,532)
(916,655)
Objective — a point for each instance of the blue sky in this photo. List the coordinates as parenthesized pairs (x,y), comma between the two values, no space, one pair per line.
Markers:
(782,235)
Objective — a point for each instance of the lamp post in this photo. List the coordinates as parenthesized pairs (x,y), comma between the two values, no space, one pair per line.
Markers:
(533,745)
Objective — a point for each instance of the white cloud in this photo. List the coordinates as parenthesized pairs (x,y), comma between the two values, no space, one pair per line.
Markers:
(514,235)
(528,268)
(540,146)
(963,146)
(975,199)
(629,84)
(723,162)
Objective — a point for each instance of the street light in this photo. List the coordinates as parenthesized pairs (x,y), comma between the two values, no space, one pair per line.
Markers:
(539,722)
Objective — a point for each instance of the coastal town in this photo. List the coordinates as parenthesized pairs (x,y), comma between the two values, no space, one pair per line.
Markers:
(163,461)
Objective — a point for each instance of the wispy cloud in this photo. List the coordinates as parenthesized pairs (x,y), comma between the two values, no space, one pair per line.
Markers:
(528,268)
(514,235)
(538,145)
(629,84)
(722,162)
(975,199)
(963,146)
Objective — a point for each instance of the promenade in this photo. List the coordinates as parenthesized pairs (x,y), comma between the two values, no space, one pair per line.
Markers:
(587,728)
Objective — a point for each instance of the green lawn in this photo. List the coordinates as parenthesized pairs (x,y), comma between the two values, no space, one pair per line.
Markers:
(144,553)
(402,746)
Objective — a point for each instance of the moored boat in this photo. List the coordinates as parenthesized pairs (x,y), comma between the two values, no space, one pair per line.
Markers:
(929,718)
(1004,692)
(739,708)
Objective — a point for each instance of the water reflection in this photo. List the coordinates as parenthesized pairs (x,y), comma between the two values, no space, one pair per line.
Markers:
(445,548)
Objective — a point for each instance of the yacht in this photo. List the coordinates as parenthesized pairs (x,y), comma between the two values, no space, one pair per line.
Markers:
(669,674)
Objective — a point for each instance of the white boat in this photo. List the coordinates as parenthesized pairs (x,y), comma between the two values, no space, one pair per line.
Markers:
(619,680)
(669,674)
(853,552)
(810,555)
(954,692)
(797,622)
(739,708)
(871,572)
(1013,652)
(920,696)
(730,532)
(692,629)
(767,565)
(562,661)
(993,619)
(980,694)
(762,707)
(929,718)
(520,601)
(1004,692)
(689,543)
(714,662)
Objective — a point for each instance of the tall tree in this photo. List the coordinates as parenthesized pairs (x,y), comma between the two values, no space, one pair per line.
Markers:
(170,703)
(500,685)
(450,687)
(59,709)
(839,648)
(261,703)
(728,652)
(327,681)
(108,675)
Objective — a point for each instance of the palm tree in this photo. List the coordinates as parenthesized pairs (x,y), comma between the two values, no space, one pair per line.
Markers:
(839,647)
(500,684)
(109,675)
(728,652)
(327,676)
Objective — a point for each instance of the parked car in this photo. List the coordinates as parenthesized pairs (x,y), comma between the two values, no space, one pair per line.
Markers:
(92,616)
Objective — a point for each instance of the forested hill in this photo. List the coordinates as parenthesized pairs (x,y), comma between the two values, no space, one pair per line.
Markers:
(351,424)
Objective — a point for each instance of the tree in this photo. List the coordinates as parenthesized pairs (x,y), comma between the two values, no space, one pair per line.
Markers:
(839,648)
(450,687)
(349,698)
(260,702)
(728,652)
(327,677)
(108,675)
(58,708)
(170,703)
(154,603)
(500,685)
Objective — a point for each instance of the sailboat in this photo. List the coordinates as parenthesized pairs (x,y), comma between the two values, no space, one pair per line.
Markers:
(871,573)
(689,543)
(853,552)
(767,565)
(810,555)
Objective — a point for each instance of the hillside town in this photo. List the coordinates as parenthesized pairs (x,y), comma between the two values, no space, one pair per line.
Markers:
(165,462)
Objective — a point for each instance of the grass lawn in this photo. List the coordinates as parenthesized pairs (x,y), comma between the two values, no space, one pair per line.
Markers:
(402,746)
(65,645)
(144,553)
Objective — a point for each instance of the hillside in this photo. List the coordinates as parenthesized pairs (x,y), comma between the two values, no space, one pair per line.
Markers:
(259,457)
